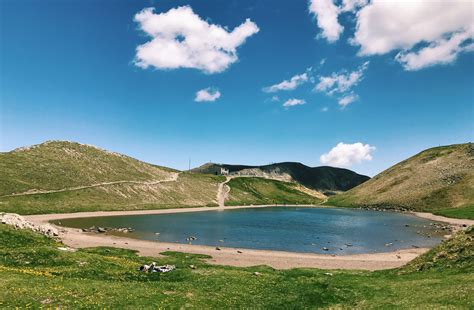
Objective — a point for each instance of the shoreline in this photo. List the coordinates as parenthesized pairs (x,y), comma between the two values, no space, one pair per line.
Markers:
(239,257)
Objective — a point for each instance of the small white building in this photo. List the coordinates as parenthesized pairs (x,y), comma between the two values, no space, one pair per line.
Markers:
(224,171)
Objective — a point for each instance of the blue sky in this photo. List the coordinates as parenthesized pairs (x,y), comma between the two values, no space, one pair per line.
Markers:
(69,71)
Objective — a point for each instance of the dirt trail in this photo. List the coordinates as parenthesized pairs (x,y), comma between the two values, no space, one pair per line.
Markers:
(173,178)
(222,192)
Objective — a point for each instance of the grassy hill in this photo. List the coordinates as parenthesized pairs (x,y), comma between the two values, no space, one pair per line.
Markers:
(317,178)
(59,164)
(35,273)
(439,180)
(249,190)
(59,176)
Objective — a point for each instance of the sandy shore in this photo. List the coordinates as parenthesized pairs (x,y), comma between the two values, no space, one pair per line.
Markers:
(231,256)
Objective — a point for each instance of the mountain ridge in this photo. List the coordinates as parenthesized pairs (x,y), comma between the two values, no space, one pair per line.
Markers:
(322,178)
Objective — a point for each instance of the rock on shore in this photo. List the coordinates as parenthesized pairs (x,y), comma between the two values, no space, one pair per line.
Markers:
(20,222)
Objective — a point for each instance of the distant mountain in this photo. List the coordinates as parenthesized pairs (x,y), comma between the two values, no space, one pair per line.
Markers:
(318,178)
(435,179)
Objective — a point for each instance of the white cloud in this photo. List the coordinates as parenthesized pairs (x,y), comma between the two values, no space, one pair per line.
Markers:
(346,155)
(293,102)
(275,99)
(342,81)
(326,13)
(442,51)
(181,39)
(291,84)
(348,99)
(427,32)
(207,94)
(324,109)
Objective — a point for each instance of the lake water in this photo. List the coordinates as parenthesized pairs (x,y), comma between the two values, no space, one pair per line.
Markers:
(295,229)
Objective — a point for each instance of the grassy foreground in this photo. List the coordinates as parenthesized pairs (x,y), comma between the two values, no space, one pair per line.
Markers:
(35,273)
(464,212)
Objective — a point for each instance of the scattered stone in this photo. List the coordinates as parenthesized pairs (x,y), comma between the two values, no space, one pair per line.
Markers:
(154,268)
(256,273)
(101,230)
(415,246)
(348,244)
(399,257)
(406,225)
(325,249)
(67,249)
(388,244)
(20,222)
(328,274)
(192,266)
(240,252)
(218,248)
(221,240)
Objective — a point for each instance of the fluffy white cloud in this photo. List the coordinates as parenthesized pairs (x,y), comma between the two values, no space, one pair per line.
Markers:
(442,51)
(326,13)
(348,99)
(207,94)
(340,82)
(426,32)
(181,39)
(291,84)
(346,155)
(293,102)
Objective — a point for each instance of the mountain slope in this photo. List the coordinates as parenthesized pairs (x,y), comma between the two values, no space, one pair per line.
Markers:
(435,179)
(59,176)
(317,178)
(58,164)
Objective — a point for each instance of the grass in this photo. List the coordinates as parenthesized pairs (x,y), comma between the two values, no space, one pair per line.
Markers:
(464,212)
(437,180)
(248,190)
(60,164)
(35,273)
(189,190)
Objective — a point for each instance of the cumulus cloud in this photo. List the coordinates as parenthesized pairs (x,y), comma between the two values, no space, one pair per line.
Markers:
(346,155)
(293,101)
(291,84)
(426,33)
(326,13)
(207,94)
(181,39)
(348,99)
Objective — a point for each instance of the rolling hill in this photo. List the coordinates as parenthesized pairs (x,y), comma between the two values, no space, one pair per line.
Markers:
(439,180)
(324,179)
(60,176)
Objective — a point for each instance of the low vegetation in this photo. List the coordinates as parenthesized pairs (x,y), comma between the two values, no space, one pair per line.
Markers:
(59,164)
(464,212)
(437,180)
(187,191)
(38,272)
(259,191)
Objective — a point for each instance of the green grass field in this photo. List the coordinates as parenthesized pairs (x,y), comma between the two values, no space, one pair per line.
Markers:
(247,190)
(35,273)
(464,212)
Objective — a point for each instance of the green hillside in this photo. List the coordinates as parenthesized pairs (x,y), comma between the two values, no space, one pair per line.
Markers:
(248,190)
(59,164)
(35,273)
(439,180)
(58,177)
(317,178)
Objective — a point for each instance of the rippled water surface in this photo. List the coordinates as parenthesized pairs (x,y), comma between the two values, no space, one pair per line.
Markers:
(296,229)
